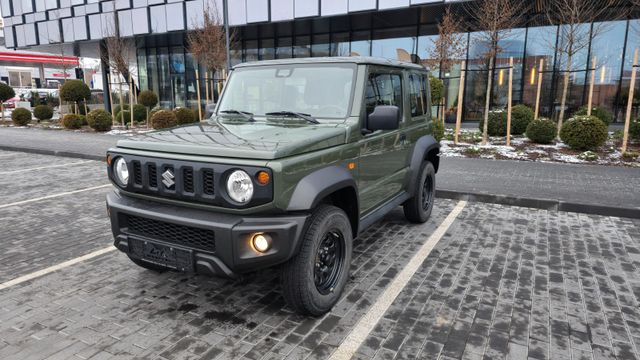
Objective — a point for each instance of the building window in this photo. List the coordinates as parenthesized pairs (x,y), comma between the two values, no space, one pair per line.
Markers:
(607,49)
(20,78)
(396,44)
(540,46)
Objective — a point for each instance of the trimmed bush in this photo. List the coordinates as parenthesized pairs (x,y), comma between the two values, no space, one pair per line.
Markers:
(139,113)
(21,117)
(438,129)
(126,114)
(163,119)
(497,123)
(542,131)
(584,133)
(185,116)
(43,112)
(148,98)
(74,90)
(118,108)
(99,120)
(437,89)
(6,92)
(521,116)
(83,120)
(598,112)
(71,121)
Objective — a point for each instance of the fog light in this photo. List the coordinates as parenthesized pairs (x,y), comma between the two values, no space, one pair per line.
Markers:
(261,242)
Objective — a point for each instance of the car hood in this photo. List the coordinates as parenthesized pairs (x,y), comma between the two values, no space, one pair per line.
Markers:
(241,139)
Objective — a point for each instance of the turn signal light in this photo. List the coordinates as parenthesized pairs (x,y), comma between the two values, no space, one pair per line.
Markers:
(109,160)
(261,242)
(263,178)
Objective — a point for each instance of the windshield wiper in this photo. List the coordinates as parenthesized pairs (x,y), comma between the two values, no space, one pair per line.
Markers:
(307,117)
(245,114)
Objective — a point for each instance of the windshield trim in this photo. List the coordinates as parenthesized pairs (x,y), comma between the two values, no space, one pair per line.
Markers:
(352,66)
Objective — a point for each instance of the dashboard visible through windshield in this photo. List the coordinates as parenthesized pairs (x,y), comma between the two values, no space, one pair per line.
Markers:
(318,90)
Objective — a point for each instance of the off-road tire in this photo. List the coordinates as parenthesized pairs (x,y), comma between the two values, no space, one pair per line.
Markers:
(298,277)
(416,209)
(148,265)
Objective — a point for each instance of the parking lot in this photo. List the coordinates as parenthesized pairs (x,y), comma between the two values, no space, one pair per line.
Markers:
(497,282)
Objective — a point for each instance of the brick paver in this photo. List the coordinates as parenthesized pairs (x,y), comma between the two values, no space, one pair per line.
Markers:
(504,282)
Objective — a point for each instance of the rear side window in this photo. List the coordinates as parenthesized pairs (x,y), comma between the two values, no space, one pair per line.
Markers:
(417,95)
(383,89)
(426,93)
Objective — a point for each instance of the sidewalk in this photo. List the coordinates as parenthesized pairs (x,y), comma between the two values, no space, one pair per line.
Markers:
(603,190)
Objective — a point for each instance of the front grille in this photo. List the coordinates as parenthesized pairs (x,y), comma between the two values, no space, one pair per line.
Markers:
(187,179)
(208,186)
(153,176)
(137,173)
(186,236)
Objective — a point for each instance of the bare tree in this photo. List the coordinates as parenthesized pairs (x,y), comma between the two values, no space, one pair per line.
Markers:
(575,33)
(207,42)
(495,19)
(450,45)
(118,58)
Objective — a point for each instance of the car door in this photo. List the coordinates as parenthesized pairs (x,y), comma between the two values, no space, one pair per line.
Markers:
(383,153)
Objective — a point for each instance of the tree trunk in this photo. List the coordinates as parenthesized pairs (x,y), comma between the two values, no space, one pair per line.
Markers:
(131,99)
(487,104)
(565,91)
(632,86)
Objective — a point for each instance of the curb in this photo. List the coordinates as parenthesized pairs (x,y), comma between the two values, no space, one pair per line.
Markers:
(69,154)
(543,204)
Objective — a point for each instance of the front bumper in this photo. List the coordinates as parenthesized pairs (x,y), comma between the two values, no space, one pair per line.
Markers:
(219,243)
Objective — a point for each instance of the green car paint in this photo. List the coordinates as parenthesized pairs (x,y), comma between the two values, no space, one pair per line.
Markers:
(381,164)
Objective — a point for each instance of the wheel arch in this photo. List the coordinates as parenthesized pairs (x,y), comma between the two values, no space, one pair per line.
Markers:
(331,185)
(426,148)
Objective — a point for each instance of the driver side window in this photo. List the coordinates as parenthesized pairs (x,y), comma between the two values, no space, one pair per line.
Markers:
(383,89)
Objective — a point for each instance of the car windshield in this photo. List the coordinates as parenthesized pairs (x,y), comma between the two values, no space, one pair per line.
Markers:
(319,90)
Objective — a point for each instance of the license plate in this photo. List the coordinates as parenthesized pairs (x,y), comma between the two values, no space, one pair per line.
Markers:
(165,255)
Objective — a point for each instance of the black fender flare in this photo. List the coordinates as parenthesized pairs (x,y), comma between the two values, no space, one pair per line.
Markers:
(423,147)
(317,185)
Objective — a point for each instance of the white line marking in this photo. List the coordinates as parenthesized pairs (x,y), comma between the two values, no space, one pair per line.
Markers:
(46,167)
(362,329)
(51,269)
(53,196)
(7,155)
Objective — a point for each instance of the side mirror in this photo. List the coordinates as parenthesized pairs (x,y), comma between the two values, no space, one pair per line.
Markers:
(384,117)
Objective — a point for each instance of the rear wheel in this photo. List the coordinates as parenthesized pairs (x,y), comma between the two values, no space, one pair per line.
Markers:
(313,280)
(148,265)
(418,208)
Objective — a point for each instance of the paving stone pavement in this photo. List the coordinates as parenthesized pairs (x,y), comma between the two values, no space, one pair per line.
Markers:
(504,282)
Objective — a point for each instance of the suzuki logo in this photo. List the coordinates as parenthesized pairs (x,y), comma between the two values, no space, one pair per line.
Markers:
(167,178)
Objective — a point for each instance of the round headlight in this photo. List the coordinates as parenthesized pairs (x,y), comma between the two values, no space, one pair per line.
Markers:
(121,171)
(240,187)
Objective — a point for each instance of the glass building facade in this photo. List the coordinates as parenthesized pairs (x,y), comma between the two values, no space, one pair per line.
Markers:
(397,34)
(280,29)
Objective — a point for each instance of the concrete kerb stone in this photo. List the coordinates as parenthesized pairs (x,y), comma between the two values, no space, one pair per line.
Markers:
(53,153)
(544,204)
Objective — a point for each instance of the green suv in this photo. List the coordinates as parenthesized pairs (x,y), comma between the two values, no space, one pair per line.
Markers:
(300,157)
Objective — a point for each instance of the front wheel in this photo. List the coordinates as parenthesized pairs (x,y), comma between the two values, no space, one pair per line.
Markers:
(418,208)
(313,280)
